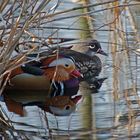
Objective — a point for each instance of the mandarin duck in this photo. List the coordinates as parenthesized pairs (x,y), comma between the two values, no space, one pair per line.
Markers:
(53,68)
(86,61)
(37,81)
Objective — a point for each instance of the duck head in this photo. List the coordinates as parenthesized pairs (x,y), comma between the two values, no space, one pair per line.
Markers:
(95,47)
(62,105)
(60,69)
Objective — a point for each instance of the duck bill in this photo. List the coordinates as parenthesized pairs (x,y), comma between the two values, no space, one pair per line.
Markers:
(100,51)
(76,99)
(76,73)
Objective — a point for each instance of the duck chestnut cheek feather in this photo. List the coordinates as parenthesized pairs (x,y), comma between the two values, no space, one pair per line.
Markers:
(60,73)
(56,74)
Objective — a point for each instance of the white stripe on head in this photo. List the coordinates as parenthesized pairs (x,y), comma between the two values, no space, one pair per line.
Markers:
(61,61)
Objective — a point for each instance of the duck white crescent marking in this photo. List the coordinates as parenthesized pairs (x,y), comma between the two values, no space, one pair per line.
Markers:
(61,61)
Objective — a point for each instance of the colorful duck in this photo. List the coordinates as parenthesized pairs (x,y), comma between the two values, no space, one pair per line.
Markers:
(40,82)
(86,61)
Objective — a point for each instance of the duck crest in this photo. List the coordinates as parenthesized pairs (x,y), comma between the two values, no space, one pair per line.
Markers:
(45,62)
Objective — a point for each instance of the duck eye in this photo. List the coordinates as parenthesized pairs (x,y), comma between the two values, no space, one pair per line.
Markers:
(66,65)
(92,46)
(67,107)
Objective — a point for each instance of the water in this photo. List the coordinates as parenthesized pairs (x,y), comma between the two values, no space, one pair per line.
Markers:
(110,113)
